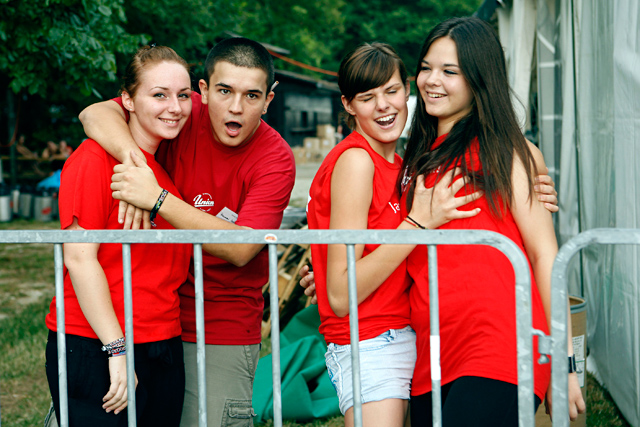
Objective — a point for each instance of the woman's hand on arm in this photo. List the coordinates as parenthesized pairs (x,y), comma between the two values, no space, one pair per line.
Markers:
(92,290)
(546,192)
(307,281)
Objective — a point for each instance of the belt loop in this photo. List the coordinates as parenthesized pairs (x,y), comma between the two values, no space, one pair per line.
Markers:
(392,335)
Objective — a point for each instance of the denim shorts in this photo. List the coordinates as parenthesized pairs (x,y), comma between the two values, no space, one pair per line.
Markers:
(386,367)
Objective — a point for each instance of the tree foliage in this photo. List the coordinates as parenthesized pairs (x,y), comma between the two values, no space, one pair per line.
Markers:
(61,55)
(190,27)
(311,30)
(49,45)
(404,24)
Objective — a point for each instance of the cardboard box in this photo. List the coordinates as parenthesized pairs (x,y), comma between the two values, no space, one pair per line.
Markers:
(300,155)
(326,131)
(312,144)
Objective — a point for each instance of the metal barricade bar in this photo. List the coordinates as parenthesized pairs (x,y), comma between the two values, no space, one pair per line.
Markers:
(434,339)
(559,278)
(62,341)
(200,348)
(274,237)
(128,333)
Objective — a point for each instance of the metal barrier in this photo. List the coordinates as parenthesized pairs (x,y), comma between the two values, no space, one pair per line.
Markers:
(272,238)
(559,274)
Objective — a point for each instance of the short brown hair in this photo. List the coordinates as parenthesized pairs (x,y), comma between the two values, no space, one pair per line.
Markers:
(368,66)
(241,52)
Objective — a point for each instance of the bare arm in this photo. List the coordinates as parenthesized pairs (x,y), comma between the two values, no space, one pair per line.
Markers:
(351,196)
(536,227)
(105,123)
(137,185)
(92,290)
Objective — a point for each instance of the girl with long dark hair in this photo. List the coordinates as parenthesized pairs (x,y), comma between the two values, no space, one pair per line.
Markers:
(465,122)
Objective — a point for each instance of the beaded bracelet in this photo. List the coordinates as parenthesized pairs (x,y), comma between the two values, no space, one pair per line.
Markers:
(156,207)
(114,346)
(414,222)
(122,352)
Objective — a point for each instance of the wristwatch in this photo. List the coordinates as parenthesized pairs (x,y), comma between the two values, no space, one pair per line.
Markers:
(572,364)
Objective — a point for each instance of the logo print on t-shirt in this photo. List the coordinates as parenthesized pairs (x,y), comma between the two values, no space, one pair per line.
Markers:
(203,201)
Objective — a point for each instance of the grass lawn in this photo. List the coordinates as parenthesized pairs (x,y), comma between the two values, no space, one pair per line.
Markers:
(26,288)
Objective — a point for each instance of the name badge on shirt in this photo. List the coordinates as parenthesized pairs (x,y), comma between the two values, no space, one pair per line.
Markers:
(228,215)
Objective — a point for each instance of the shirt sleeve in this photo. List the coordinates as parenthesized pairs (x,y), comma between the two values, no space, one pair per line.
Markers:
(85,191)
(269,193)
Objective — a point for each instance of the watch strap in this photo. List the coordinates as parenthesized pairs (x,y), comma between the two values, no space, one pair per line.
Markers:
(572,364)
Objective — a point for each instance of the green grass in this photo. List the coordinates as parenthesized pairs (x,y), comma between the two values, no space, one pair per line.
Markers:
(26,288)
(601,410)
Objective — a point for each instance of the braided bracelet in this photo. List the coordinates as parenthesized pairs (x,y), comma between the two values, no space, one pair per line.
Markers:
(156,207)
(410,223)
(414,222)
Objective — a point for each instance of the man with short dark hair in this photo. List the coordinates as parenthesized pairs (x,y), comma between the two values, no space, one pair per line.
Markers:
(234,172)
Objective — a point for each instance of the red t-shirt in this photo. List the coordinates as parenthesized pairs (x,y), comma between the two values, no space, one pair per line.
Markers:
(252,183)
(157,270)
(388,306)
(477,302)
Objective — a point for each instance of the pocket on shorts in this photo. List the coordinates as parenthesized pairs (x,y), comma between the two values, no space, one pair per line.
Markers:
(333,368)
(238,413)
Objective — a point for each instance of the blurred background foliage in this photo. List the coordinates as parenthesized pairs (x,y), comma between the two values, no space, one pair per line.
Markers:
(57,56)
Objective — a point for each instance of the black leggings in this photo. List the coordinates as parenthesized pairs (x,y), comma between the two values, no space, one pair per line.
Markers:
(471,401)
(159,394)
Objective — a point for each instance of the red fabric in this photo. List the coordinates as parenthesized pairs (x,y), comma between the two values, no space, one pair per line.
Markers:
(253,180)
(157,270)
(477,303)
(387,307)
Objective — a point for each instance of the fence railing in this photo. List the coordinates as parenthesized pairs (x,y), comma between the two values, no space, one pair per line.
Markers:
(559,277)
(272,238)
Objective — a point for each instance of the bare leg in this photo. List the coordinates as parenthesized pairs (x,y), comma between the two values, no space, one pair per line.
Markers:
(387,412)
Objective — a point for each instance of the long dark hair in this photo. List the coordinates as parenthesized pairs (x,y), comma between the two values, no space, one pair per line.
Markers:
(492,119)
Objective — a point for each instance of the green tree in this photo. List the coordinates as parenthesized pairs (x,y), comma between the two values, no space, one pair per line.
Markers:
(190,27)
(311,30)
(404,24)
(56,56)
(52,47)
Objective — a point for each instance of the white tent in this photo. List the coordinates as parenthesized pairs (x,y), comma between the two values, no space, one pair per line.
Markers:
(575,65)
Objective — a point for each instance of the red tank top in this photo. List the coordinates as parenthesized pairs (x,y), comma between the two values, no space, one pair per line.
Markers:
(387,307)
(477,302)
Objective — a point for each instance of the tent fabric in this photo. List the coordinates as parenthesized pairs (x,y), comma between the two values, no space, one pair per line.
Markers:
(590,136)
(307,392)
(608,123)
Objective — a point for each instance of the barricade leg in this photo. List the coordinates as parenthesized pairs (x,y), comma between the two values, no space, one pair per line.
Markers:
(434,319)
(128,328)
(275,335)
(355,335)
(200,344)
(62,342)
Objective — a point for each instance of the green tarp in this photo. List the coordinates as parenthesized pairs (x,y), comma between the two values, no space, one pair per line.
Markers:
(307,392)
